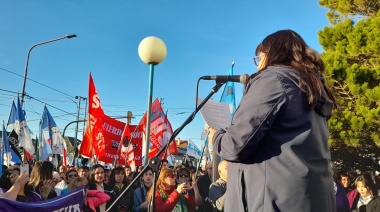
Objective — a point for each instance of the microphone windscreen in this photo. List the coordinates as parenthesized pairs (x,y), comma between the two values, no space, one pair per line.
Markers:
(244,78)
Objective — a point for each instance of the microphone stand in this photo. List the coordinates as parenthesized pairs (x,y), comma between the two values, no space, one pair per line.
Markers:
(155,162)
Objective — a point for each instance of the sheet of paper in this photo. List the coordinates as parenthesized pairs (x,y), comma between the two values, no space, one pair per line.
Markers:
(216,114)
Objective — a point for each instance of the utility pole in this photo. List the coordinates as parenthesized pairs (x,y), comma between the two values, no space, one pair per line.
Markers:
(79,98)
(129,117)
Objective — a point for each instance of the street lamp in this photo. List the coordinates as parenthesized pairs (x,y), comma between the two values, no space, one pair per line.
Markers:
(152,51)
(27,61)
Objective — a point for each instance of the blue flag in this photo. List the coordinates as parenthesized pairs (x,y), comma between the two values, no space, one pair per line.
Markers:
(45,147)
(4,135)
(228,95)
(56,139)
(47,120)
(4,149)
(15,158)
(22,130)
(12,115)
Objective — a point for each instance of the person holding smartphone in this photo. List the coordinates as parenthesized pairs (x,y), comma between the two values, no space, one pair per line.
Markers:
(169,197)
(184,176)
(12,186)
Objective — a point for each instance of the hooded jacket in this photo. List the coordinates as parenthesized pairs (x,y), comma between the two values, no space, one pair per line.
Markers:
(279,158)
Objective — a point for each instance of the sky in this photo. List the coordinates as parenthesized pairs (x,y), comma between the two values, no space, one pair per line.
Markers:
(201,37)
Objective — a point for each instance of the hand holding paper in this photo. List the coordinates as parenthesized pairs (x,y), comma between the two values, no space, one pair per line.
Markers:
(216,114)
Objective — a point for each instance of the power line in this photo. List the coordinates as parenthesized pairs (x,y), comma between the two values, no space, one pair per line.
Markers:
(8,91)
(48,104)
(37,82)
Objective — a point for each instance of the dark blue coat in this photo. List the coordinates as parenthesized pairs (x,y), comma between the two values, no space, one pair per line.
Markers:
(279,158)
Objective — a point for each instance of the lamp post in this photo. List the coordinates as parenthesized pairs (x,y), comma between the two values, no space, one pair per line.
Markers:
(152,51)
(27,61)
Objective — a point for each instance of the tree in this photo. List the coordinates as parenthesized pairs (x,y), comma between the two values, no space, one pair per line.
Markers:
(352,58)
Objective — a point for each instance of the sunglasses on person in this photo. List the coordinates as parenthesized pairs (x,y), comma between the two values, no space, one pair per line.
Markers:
(73,175)
(183,175)
(170,175)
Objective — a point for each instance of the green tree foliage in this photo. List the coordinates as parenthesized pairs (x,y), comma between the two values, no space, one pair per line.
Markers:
(343,9)
(352,58)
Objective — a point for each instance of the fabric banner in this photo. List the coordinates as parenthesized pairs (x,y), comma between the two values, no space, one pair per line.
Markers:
(45,148)
(22,130)
(160,130)
(95,111)
(133,153)
(85,148)
(192,150)
(228,95)
(14,144)
(106,136)
(55,136)
(103,134)
(71,202)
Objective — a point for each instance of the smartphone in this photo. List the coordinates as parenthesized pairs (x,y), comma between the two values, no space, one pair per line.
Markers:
(24,168)
(187,191)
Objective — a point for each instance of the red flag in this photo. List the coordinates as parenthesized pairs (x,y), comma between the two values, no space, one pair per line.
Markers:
(94,112)
(85,147)
(132,154)
(106,138)
(103,133)
(124,140)
(28,156)
(160,130)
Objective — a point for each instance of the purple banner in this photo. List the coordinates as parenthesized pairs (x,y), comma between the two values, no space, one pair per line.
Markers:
(71,202)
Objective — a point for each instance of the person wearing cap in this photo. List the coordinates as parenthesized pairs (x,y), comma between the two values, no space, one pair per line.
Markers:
(60,185)
(107,174)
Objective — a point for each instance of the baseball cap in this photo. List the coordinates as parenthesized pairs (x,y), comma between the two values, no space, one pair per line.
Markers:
(107,167)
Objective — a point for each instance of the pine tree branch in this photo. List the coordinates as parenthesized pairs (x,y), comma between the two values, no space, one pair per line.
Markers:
(345,93)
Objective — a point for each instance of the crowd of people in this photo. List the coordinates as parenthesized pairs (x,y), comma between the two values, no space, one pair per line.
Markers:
(276,147)
(178,188)
(357,191)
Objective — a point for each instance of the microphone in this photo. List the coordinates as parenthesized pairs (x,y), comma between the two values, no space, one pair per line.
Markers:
(228,78)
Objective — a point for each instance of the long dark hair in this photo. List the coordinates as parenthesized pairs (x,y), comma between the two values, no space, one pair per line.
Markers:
(115,171)
(5,181)
(287,48)
(91,176)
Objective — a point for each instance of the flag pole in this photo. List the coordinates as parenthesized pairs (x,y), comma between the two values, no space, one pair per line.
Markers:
(38,143)
(115,161)
(2,152)
(203,150)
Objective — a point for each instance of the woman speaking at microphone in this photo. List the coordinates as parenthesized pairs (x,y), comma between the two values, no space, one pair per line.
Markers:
(279,158)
